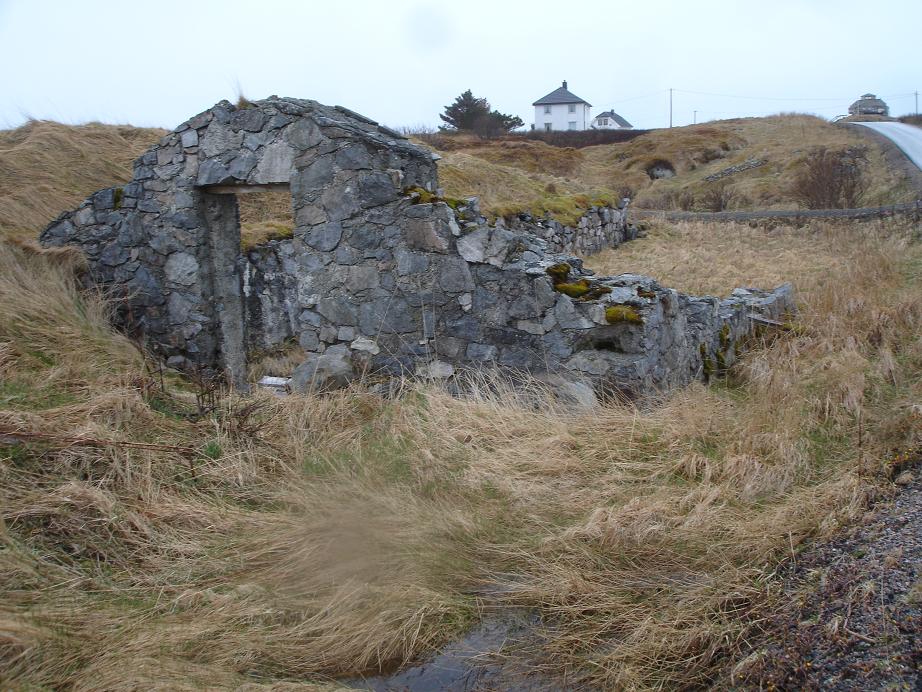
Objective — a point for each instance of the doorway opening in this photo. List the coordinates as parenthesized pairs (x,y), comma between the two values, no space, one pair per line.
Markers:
(239,217)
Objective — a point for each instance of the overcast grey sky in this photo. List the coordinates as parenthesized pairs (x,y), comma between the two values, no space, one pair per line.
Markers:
(401,61)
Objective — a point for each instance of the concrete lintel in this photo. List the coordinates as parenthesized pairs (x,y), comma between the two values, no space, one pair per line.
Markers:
(244,189)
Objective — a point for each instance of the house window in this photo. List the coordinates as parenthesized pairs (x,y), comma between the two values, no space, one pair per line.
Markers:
(547,127)
(572,107)
(547,109)
(603,121)
(571,125)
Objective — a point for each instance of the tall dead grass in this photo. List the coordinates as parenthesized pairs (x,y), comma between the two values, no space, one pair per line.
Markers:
(346,533)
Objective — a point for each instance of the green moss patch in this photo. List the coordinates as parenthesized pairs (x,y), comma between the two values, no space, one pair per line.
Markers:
(576,289)
(558,272)
(421,195)
(581,289)
(615,314)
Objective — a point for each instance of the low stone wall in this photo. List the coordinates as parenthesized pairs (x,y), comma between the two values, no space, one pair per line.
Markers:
(906,209)
(747,165)
(380,275)
(599,228)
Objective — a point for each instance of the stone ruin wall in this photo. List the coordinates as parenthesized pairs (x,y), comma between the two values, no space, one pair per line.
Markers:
(374,277)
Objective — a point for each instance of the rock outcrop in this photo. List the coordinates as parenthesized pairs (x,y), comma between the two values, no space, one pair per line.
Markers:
(381,274)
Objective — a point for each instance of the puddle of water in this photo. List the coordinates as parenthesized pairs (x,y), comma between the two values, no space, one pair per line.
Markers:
(469,664)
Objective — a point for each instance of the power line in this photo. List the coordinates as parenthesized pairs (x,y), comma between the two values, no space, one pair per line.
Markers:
(761,98)
(753,98)
(637,98)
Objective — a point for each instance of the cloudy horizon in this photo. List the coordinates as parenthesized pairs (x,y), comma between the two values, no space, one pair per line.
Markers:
(158,64)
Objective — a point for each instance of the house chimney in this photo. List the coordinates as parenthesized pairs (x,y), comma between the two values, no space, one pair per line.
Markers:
(565,84)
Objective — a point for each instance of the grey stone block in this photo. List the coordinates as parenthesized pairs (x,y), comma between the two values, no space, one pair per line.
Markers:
(423,234)
(275,164)
(353,157)
(480,353)
(181,268)
(213,172)
(338,311)
(330,370)
(249,119)
(376,188)
(454,275)
(241,166)
(325,237)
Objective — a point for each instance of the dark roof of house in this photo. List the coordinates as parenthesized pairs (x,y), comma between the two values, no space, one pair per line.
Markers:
(868,103)
(560,95)
(614,116)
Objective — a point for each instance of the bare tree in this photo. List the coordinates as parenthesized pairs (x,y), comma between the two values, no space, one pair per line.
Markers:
(831,179)
(718,198)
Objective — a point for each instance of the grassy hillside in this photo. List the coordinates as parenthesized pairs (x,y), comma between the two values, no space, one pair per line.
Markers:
(544,173)
(47,168)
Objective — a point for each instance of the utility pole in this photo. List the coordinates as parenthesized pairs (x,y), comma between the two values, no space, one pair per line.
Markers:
(695,119)
(917,103)
(670,107)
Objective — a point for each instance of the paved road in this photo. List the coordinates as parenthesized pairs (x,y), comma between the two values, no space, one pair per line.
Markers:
(907,137)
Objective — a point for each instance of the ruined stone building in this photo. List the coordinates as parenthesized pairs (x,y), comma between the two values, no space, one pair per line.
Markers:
(380,274)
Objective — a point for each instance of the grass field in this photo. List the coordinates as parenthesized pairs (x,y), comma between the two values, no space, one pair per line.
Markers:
(154,535)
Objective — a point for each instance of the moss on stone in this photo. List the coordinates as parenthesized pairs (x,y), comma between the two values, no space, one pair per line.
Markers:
(725,336)
(644,293)
(576,289)
(118,194)
(706,362)
(708,368)
(596,292)
(558,272)
(420,195)
(581,289)
(615,314)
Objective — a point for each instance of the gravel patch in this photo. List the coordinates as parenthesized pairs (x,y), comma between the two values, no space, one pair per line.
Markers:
(850,617)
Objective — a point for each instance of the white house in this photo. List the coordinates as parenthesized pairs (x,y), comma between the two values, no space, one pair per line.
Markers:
(609,120)
(561,110)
